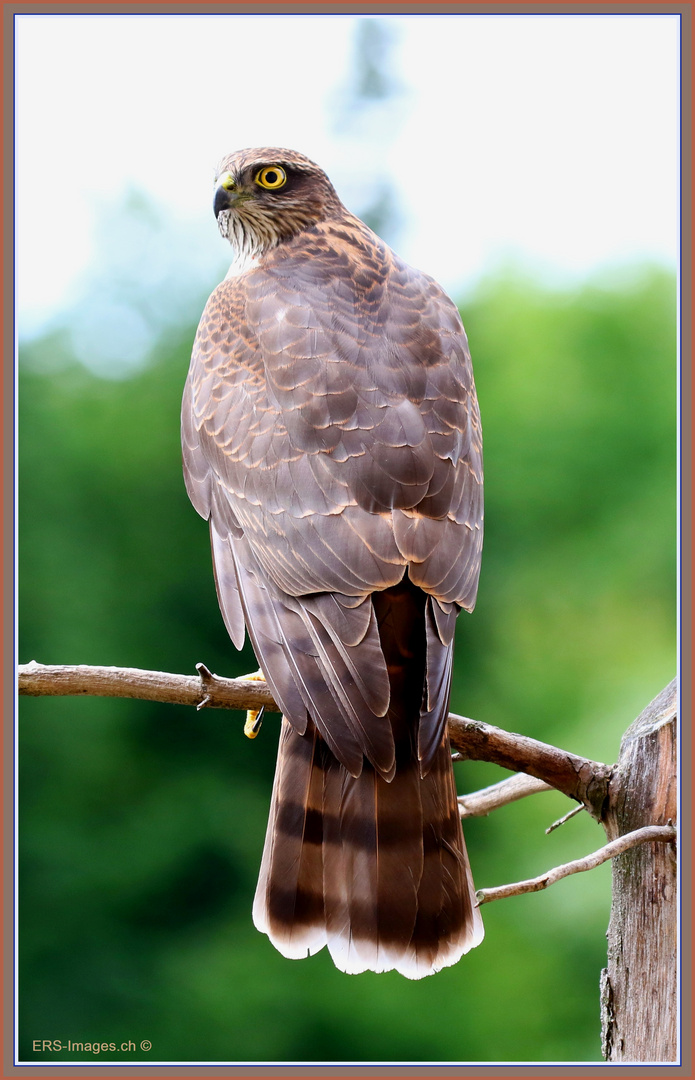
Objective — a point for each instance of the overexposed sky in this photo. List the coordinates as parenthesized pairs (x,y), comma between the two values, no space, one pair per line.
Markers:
(552,140)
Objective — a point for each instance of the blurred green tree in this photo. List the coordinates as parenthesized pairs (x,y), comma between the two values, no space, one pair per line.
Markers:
(142,824)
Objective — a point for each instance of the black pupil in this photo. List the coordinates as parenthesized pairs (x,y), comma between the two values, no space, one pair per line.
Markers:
(271,177)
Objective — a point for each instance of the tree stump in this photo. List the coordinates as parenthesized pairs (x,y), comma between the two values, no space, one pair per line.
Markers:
(639,988)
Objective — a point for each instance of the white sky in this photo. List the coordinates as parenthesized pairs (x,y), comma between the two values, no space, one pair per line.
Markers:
(550,139)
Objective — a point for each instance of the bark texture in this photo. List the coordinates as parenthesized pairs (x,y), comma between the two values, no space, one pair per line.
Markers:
(639,987)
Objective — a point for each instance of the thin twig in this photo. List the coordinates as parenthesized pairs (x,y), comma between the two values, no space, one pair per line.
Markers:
(662,833)
(561,821)
(481,803)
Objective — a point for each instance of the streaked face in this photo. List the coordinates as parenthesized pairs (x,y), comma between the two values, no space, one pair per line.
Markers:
(264,196)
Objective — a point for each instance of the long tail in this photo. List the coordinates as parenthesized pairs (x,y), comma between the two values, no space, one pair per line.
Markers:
(375,870)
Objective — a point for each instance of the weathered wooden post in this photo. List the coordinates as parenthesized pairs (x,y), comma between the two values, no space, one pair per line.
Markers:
(639,987)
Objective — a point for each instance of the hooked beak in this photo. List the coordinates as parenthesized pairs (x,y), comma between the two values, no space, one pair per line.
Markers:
(226,194)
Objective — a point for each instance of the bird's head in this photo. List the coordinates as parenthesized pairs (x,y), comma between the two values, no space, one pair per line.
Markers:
(268,195)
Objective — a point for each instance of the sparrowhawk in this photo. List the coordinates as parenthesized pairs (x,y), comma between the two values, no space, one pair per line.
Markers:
(332,439)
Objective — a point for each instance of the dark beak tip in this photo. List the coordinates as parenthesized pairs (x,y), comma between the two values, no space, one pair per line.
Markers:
(221,202)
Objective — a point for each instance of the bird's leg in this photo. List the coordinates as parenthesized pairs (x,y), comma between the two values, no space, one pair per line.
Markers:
(254,717)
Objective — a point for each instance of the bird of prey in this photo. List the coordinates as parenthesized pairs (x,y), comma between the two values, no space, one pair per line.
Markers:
(331,437)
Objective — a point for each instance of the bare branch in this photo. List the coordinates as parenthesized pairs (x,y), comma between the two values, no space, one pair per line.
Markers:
(663,833)
(206,690)
(579,778)
(482,802)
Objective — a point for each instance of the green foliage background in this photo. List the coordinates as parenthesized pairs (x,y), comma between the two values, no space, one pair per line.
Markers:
(142,824)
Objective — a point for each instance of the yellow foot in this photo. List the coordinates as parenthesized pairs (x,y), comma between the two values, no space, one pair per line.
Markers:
(254,717)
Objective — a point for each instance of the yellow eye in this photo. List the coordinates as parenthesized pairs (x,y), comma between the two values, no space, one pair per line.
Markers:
(272,177)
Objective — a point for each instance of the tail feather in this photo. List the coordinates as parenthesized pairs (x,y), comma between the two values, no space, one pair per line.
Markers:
(335,884)
(288,907)
(376,870)
(449,922)
(372,862)
(381,852)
